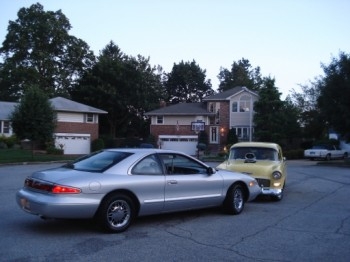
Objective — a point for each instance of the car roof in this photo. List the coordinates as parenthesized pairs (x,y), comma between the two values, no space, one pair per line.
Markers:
(143,150)
(257,144)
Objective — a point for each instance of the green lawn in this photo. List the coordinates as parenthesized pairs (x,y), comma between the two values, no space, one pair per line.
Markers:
(20,155)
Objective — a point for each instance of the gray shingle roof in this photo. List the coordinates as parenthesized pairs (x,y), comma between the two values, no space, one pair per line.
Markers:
(58,103)
(64,104)
(181,109)
(224,95)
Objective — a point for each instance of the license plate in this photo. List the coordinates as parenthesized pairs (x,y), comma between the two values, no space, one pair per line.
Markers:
(25,204)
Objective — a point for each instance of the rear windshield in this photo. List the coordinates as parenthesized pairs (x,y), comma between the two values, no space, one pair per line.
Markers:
(259,153)
(99,161)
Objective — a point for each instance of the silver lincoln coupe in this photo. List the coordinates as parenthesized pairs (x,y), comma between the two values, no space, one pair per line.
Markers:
(114,186)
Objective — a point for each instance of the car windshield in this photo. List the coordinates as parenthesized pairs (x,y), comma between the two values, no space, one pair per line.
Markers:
(98,161)
(258,153)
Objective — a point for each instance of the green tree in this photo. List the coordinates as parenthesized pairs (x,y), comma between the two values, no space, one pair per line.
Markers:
(231,137)
(334,97)
(124,86)
(39,51)
(34,117)
(241,74)
(186,83)
(310,119)
(269,118)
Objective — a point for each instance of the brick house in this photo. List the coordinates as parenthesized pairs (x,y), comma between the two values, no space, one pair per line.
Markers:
(76,127)
(177,126)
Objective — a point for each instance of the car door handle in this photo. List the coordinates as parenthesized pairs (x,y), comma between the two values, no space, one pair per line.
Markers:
(172,182)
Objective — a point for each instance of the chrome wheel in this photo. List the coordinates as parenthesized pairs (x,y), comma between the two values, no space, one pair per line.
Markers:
(234,202)
(118,213)
(238,200)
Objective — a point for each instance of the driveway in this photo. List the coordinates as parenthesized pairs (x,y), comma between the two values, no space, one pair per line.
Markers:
(311,223)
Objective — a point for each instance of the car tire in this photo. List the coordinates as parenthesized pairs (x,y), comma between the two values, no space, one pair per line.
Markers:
(234,202)
(328,157)
(115,213)
(345,155)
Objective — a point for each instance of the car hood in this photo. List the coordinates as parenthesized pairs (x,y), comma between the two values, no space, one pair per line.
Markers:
(256,169)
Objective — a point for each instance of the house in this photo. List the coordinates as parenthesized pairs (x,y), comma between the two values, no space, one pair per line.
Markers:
(76,127)
(177,126)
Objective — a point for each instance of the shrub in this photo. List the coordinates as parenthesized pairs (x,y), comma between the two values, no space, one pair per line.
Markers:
(97,144)
(54,151)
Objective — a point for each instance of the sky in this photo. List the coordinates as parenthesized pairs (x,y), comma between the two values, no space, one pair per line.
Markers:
(288,40)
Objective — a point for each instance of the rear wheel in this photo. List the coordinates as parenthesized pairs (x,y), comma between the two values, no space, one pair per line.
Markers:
(234,202)
(328,157)
(116,213)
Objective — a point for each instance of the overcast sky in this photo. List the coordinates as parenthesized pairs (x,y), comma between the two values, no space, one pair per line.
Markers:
(287,39)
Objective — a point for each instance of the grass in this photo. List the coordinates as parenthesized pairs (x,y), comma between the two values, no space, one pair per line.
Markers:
(8,156)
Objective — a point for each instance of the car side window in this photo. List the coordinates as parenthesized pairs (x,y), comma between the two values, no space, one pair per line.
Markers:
(147,166)
(180,164)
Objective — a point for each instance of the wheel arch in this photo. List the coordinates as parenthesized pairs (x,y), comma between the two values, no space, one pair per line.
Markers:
(126,192)
(244,187)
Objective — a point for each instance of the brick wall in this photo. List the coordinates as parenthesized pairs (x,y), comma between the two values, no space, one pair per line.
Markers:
(78,128)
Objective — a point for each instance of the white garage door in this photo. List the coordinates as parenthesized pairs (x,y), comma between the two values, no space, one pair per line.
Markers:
(73,144)
(185,144)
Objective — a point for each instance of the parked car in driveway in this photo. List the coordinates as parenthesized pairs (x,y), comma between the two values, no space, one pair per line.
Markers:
(116,185)
(325,152)
(263,161)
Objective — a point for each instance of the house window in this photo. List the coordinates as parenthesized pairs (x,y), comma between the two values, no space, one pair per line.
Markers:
(160,119)
(214,135)
(211,107)
(243,133)
(234,106)
(6,127)
(244,104)
(89,118)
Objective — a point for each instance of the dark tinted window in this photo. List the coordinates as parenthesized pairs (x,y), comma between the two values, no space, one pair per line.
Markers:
(99,161)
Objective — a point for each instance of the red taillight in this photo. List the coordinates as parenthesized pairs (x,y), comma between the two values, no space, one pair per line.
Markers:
(49,187)
(58,189)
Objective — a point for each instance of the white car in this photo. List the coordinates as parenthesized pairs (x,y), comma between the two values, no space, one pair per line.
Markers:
(116,185)
(326,152)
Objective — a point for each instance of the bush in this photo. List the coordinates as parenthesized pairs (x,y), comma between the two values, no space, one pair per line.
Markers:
(54,151)
(97,144)
(10,141)
(294,154)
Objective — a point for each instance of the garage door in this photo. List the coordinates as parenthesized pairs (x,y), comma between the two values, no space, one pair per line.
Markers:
(185,144)
(73,144)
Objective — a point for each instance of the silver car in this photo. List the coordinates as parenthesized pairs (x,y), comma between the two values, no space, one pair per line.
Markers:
(114,186)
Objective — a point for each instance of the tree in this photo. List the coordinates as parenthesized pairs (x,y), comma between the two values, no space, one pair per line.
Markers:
(186,83)
(334,97)
(241,74)
(310,119)
(34,117)
(124,86)
(39,51)
(268,118)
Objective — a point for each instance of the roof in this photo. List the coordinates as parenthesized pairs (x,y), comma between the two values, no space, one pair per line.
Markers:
(6,108)
(58,103)
(256,144)
(229,93)
(182,109)
(64,104)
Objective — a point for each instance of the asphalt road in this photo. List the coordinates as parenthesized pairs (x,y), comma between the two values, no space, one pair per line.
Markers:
(311,223)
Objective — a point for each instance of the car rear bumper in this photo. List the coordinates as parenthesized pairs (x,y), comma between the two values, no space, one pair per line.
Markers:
(56,206)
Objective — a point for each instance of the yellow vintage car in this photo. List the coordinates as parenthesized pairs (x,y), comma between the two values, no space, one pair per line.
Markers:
(263,161)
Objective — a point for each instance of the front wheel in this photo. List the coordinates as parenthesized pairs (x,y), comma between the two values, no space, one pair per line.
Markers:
(116,213)
(234,202)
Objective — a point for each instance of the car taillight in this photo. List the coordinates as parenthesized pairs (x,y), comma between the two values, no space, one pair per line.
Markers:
(49,187)
(58,189)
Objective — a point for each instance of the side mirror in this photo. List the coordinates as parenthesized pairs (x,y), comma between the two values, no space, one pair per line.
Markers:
(211,170)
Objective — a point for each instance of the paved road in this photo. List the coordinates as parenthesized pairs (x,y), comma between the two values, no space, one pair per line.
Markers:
(312,223)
